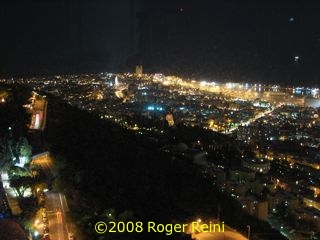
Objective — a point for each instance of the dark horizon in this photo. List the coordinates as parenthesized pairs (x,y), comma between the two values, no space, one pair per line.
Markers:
(267,42)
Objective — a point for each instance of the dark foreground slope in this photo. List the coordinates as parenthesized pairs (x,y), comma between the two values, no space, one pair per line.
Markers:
(108,174)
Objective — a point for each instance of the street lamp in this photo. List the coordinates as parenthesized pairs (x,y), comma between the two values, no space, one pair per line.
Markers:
(249,231)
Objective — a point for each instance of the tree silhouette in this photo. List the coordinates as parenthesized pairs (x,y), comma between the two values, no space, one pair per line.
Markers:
(21,184)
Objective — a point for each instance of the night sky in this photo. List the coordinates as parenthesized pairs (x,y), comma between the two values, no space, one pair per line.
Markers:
(254,41)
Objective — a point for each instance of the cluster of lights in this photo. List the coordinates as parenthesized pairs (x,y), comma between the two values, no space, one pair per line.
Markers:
(155,108)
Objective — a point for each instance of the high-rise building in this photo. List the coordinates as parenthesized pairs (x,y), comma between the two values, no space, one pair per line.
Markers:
(116,82)
(169,119)
(139,70)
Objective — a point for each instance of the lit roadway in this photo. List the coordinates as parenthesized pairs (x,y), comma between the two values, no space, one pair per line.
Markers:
(259,115)
(56,207)
(56,204)
(38,105)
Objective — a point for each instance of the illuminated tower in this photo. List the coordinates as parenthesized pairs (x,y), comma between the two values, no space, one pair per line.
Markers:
(169,118)
(139,70)
(116,81)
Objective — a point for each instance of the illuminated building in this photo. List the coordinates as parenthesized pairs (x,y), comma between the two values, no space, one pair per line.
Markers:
(139,70)
(307,214)
(255,207)
(312,102)
(312,201)
(281,196)
(116,81)
(257,165)
(241,175)
(169,119)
